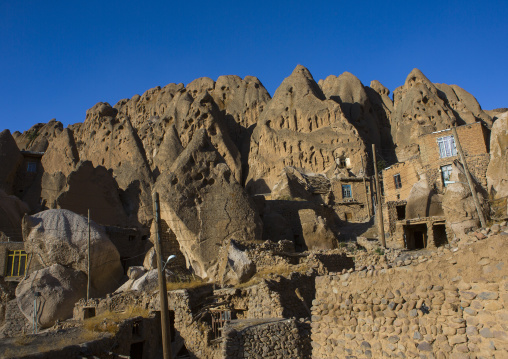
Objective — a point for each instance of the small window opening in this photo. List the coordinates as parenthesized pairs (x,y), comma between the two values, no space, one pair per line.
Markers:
(88,312)
(136,328)
(31,167)
(401,212)
(348,216)
(132,238)
(16,263)
(397,181)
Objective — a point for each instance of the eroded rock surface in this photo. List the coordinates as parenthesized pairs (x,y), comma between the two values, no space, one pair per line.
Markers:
(10,160)
(204,205)
(497,172)
(300,128)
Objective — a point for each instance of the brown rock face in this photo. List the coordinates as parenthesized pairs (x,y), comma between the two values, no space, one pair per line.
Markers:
(497,172)
(421,107)
(348,91)
(300,128)
(316,232)
(109,140)
(204,205)
(12,210)
(10,160)
(88,188)
(38,137)
(458,204)
(62,154)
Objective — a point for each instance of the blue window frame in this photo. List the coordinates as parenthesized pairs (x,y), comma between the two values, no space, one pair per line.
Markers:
(346,191)
(446,171)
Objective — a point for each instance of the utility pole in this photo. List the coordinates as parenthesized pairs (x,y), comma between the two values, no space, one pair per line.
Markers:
(365,185)
(378,196)
(163,292)
(469,179)
(89,261)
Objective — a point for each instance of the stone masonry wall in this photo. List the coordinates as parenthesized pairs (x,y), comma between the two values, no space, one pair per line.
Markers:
(274,338)
(453,305)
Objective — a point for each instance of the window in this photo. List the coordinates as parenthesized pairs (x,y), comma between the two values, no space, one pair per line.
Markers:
(16,263)
(446,146)
(396,179)
(346,191)
(446,171)
(343,162)
(31,167)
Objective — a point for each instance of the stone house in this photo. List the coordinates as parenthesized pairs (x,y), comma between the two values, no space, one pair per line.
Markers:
(433,164)
(351,198)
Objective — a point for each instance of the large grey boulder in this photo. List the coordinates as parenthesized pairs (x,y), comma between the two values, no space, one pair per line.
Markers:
(497,172)
(205,206)
(59,287)
(59,236)
(236,266)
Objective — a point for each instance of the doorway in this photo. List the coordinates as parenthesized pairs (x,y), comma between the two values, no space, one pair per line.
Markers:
(416,235)
(440,238)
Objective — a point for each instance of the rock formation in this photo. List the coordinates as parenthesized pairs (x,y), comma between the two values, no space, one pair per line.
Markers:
(61,236)
(87,188)
(300,128)
(423,201)
(59,287)
(204,205)
(38,137)
(458,205)
(497,172)
(236,266)
(421,107)
(12,210)
(316,232)
(10,160)
(62,154)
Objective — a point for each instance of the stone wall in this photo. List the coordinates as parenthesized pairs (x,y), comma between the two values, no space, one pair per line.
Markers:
(270,338)
(453,305)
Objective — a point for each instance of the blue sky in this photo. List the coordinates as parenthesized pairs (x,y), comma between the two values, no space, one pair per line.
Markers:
(59,58)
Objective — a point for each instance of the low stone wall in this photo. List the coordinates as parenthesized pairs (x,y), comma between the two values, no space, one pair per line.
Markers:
(454,305)
(268,338)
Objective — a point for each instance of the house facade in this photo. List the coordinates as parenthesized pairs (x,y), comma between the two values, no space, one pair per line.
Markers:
(437,153)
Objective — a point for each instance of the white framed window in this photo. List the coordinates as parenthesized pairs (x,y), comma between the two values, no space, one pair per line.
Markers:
(446,146)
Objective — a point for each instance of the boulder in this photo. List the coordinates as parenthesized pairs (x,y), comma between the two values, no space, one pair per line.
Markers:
(315,230)
(150,261)
(10,160)
(497,172)
(236,266)
(12,210)
(61,237)
(423,201)
(301,128)
(59,287)
(205,206)
(135,272)
(458,204)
